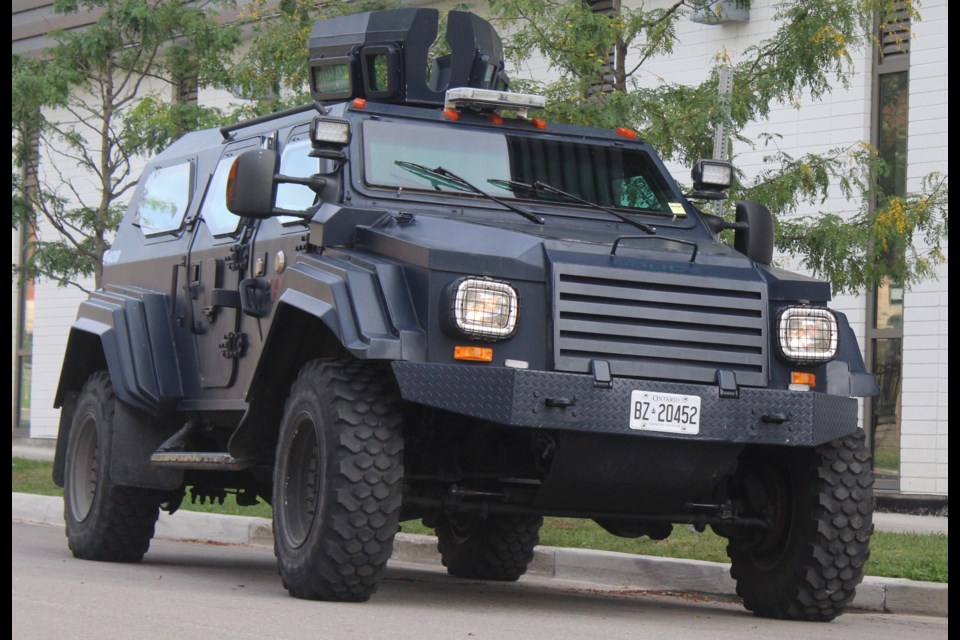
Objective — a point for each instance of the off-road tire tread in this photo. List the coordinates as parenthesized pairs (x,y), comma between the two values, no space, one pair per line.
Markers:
(125,517)
(500,548)
(837,544)
(355,539)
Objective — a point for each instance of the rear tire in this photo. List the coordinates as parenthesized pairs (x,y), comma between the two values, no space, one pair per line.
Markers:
(337,481)
(498,547)
(104,521)
(808,565)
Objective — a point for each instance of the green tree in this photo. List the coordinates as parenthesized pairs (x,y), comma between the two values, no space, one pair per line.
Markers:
(271,73)
(600,56)
(76,102)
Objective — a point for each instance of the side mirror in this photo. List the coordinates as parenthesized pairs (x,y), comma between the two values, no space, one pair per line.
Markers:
(755,238)
(252,185)
(251,189)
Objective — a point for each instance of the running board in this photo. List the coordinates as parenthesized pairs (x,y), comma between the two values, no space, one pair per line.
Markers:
(174,453)
(199,460)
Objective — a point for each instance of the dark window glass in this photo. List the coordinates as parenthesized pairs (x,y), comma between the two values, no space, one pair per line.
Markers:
(885,421)
(892,133)
(332,78)
(610,176)
(378,72)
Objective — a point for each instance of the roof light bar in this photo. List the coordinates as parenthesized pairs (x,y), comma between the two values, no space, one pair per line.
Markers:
(471,97)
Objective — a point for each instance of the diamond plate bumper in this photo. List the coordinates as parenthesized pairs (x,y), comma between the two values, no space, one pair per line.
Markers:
(522,398)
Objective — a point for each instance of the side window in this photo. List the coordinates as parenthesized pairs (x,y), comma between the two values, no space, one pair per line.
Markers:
(214,208)
(165,198)
(296,162)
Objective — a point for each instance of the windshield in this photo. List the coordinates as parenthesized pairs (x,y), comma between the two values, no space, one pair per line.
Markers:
(605,175)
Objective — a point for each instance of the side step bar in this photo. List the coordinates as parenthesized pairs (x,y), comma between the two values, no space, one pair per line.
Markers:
(173,454)
(199,460)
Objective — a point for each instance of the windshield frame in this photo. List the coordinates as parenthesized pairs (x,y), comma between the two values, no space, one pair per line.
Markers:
(560,209)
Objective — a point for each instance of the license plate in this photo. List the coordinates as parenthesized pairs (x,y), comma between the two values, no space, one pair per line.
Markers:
(669,412)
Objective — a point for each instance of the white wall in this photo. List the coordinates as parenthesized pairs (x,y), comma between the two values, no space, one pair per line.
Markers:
(925,363)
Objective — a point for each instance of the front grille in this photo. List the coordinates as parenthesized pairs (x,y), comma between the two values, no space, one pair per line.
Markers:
(663,326)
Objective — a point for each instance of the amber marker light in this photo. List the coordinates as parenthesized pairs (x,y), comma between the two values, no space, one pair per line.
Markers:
(451,114)
(359,103)
(475,354)
(802,377)
(539,123)
(627,133)
(495,119)
(232,181)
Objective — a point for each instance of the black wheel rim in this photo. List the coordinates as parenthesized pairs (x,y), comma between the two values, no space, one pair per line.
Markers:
(769,548)
(460,526)
(84,468)
(301,484)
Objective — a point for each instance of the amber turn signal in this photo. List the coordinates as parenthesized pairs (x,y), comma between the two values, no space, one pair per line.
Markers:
(802,377)
(476,354)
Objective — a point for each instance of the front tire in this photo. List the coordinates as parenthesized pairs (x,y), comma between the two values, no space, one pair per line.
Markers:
(807,566)
(498,547)
(104,521)
(337,481)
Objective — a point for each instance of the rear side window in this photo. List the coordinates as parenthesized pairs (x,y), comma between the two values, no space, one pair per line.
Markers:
(165,198)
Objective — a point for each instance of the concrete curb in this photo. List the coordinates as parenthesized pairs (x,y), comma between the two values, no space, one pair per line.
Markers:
(601,568)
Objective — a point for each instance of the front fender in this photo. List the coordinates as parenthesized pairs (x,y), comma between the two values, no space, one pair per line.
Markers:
(128,330)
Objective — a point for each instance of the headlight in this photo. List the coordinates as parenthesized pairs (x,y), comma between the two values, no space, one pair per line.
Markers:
(807,335)
(485,308)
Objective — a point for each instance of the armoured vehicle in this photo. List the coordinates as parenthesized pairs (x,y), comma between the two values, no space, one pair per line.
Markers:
(412,300)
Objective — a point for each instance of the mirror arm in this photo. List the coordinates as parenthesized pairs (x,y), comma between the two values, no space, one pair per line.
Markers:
(303,215)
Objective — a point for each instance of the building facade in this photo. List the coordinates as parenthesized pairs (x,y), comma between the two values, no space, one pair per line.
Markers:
(896,102)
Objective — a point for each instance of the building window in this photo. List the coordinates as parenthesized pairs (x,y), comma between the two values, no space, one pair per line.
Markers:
(885,304)
(185,89)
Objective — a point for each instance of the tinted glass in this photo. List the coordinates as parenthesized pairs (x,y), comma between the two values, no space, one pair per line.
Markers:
(332,78)
(609,176)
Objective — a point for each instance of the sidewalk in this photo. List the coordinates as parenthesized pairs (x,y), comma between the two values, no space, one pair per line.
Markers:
(602,569)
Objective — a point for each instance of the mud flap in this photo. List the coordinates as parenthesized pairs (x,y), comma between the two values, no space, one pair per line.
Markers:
(136,435)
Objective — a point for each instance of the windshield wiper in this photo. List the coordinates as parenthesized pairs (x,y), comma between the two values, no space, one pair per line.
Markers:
(455,181)
(542,186)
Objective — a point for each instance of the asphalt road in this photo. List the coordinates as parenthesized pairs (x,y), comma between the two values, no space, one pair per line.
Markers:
(187,590)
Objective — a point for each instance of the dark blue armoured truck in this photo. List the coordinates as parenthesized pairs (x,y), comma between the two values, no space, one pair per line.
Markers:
(411,300)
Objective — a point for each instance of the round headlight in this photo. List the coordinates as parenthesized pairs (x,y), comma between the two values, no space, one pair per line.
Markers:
(485,308)
(807,335)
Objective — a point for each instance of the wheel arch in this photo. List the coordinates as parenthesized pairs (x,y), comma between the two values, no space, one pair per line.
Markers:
(299,333)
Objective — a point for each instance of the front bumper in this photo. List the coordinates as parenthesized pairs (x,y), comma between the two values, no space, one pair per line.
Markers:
(522,398)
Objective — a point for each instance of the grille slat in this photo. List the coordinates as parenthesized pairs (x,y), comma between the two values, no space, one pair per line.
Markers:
(662,314)
(596,290)
(662,352)
(647,332)
(659,325)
